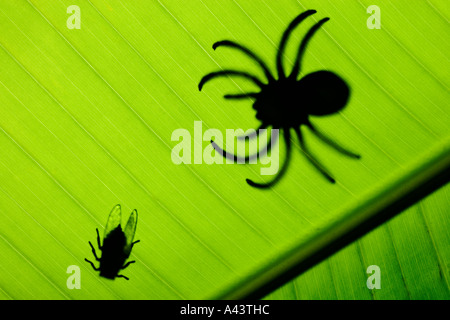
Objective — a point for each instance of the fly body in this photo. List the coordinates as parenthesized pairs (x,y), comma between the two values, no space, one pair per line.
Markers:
(117,245)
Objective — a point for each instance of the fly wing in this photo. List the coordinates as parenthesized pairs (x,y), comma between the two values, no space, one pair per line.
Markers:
(130,230)
(114,220)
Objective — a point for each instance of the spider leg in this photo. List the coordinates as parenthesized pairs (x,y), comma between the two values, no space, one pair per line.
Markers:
(248,52)
(93,251)
(311,158)
(331,143)
(127,264)
(247,158)
(253,134)
(282,171)
(223,73)
(92,264)
(301,50)
(241,96)
(122,276)
(285,37)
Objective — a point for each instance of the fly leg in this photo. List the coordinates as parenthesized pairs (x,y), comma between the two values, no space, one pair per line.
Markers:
(127,264)
(133,243)
(122,276)
(98,239)
(93,251)
(92,264)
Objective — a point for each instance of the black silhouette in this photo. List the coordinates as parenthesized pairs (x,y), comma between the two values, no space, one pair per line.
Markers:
(286,103)
(117,245)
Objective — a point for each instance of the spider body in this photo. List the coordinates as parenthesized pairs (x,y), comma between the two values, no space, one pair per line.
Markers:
(117,245)
(285,102)
(278,103)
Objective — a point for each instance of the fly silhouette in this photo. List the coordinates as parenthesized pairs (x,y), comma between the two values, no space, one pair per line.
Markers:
(117,245)
(286,102)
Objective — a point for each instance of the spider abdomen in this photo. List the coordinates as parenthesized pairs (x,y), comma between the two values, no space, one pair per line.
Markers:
(323,93)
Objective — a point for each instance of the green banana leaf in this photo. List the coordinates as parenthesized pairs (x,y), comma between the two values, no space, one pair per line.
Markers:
(87,117)
(412,264)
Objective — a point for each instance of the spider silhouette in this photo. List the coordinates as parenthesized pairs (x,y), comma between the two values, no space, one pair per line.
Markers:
(286,103)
